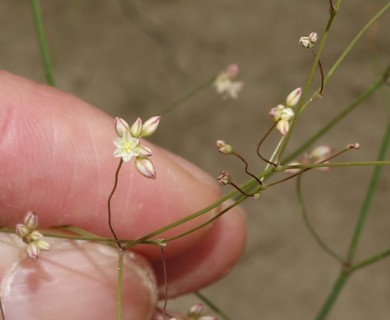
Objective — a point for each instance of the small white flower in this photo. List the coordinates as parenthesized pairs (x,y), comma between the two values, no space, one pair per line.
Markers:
(225,85)
(127,147)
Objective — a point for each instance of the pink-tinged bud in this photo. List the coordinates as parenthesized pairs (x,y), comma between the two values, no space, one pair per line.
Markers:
(136,128)
(232,70)
(283,126)
(320,153)
(31,220)
(22,231)
(121,126)
(32,251)
(276,112)
(313,37)
(223,147)
(144,152)
(146,168)
(150,126)
(293,97)
(224,178)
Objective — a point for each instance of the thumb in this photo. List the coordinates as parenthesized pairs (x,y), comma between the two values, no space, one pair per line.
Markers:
(77,280)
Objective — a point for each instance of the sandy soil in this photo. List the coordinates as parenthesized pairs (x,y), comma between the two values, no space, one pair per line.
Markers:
(134,57)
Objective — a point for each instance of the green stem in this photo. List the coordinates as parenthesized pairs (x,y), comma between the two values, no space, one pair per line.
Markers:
(339,284)
(368,199)
(354,41)
(212,306)
(119,293)
(371,260)
(336,164)
(373,88)
(309,226)
(42,42)
(175,103)
(309,80)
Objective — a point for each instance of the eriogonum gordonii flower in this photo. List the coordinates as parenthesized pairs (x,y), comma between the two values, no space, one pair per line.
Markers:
(225,85)
(128,144)
(32,237)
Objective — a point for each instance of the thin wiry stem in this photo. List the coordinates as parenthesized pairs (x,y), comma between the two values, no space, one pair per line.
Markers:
(309,226)
(109,204)
(321,73)
(246,167)
(165,275)
(262,141)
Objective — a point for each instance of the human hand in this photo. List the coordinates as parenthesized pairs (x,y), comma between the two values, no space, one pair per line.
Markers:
(56,159)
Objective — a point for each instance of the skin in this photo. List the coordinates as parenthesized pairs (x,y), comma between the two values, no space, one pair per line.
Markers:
(56,159)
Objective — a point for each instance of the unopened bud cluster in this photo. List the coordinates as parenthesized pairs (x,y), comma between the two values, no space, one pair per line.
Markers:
(309,42)
(128,145)
(283,114)
(225,84)
(32,237)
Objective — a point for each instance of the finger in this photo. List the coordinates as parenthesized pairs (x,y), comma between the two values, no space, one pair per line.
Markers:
(56,159)
(77,280)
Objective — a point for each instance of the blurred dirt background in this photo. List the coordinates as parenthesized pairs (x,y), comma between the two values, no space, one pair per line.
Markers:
(132,58)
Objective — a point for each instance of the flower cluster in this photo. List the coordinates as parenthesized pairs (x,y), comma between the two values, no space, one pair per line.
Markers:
(128,145)
(308,42)
(317,155)
(224,82)
(28,233)
(195,313)
(282,114)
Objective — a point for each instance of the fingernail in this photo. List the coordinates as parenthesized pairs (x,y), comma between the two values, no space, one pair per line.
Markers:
(78,282)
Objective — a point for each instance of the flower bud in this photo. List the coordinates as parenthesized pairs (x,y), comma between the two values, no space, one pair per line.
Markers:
(121,126)
(35,235)
(144,152)
(21,230)
(32,251)
(293,170)
(150,126)
(43,245)
(313,37)
(305,42)
(224,178)
(283,126)
(293,97)
(232,70)
(31,220)
(145,167)
(275,113)
(223,147)
(136,128)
